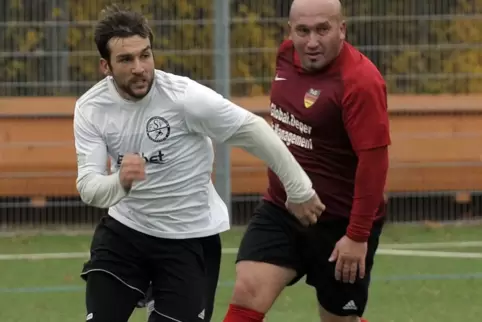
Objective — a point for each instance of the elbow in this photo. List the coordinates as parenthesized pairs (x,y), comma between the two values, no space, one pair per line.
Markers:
(258,120)
(255,126)
(99,191)
(254,120)
(88,190)
(248,132)
(85,195)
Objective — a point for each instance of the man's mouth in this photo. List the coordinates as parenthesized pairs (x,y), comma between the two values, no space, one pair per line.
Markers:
(313,55)
(139,82)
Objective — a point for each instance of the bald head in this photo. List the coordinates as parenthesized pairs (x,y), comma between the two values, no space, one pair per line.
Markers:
(327,8)
(317,30)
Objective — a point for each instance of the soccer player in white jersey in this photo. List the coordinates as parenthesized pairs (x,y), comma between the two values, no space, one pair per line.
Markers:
(164,216)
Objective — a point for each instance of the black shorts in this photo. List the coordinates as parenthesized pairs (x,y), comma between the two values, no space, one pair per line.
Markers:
(276,237)
(183,272)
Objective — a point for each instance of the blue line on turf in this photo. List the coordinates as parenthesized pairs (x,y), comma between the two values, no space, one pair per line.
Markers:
(388,278)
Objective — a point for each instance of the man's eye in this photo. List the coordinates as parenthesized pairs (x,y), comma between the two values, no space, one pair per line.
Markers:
(323,29)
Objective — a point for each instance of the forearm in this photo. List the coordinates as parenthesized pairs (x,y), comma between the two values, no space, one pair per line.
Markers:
(256,137)
(102,191)
(370,182)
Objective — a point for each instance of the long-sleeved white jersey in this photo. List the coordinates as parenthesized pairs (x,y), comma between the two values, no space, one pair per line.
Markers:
(171,128)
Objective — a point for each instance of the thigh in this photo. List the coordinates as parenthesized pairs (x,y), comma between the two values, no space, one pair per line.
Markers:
(212,259)
(117,250)
(338,298)
(108,299)
(179,280)
(272,237)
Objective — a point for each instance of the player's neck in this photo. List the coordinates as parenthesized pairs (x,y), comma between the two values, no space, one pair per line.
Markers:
(337,56)
(340,49)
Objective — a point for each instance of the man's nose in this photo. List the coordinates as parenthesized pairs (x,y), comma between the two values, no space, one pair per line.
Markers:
(313,40)
(137,68)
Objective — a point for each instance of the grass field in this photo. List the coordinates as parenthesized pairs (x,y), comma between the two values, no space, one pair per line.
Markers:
(408,287)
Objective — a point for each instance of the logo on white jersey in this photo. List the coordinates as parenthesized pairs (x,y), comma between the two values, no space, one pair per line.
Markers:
(157,129)
(156,158)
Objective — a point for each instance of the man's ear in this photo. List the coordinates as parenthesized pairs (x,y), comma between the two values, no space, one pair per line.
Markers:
(104,67)
(343,30)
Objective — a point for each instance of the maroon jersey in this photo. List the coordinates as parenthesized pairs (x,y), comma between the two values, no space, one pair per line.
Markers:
(325,118)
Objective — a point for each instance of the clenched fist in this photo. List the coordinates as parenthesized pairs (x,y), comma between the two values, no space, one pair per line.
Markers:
(308,211)
(132,169)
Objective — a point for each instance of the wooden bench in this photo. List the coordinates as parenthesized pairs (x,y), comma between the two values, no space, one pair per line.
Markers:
(436,146)
(38,159)
(436,151)
(37,156)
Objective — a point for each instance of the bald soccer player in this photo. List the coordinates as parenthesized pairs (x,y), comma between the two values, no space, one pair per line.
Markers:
(329,105)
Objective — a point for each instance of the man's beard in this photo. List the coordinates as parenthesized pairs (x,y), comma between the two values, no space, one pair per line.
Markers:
(127,89)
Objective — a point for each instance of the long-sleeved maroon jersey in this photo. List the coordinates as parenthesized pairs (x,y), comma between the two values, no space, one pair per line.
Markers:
(335,123)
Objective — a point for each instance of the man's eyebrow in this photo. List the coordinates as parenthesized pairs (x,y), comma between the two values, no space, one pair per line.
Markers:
(125,55)
(321,23)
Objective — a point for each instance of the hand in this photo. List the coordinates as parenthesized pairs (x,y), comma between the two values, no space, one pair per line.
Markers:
(132,169)
(350,258)
(308,211)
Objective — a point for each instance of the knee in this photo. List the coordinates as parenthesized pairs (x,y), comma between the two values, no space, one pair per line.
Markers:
(259,284)
(247,285)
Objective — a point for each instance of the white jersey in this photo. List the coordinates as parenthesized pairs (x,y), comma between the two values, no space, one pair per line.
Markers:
(171,129)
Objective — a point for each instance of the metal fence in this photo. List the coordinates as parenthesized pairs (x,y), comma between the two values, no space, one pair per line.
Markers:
(421,47)
(429,46)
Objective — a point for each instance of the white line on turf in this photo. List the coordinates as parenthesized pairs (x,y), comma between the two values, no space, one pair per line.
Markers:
(427,253)
(455,244)
(381,251)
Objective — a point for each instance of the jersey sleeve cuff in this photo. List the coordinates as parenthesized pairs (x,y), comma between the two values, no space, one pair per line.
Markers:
(359,229)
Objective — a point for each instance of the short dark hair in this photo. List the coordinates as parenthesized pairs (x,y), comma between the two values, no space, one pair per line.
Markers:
(119,22)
